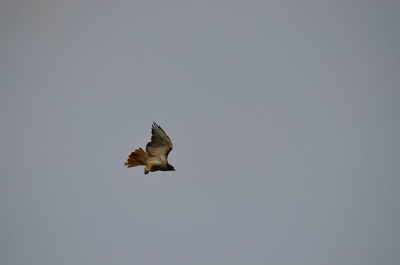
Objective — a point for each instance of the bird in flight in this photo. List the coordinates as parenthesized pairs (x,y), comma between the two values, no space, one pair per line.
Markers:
(157,150)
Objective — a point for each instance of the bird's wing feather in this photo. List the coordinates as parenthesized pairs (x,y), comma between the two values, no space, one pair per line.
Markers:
(160,144)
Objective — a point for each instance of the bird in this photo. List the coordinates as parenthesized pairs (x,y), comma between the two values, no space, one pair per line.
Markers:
(155,156)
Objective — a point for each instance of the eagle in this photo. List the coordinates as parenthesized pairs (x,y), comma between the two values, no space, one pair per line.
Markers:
(157,150)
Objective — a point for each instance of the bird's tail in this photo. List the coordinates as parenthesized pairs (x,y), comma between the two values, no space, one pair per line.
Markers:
(137,158)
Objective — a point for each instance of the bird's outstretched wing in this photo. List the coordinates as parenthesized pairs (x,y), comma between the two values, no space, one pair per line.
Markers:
(160,144)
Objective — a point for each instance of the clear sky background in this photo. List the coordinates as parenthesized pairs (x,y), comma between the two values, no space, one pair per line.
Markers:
(284,117)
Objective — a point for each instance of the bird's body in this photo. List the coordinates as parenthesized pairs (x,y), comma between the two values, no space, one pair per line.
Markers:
(155,156)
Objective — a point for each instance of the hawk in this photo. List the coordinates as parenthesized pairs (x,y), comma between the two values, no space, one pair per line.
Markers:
(157,150)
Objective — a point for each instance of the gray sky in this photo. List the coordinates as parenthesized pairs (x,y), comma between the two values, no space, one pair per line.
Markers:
(284,117)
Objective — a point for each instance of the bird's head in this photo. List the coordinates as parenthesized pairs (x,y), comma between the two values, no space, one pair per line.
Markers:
(170,168)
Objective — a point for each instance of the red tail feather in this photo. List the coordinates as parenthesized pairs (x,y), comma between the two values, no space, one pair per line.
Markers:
(137,158)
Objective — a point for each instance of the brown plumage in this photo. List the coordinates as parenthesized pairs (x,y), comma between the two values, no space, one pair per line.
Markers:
(157,150)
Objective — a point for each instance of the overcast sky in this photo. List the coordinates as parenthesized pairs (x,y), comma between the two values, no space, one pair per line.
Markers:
(284,117)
